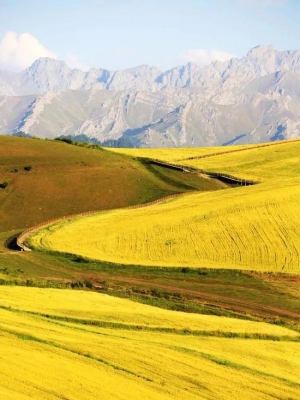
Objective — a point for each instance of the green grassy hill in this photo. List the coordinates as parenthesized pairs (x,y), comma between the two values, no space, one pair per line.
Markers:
(66,179)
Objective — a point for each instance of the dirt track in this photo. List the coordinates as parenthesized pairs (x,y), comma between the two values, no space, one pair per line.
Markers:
(225,301)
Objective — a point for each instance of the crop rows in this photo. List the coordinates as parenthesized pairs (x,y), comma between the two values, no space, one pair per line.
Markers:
(193,153)
(215,229)
(55,345)
(254,227)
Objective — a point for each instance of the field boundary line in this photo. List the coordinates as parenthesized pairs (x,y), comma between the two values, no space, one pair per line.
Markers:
(211,296)
(218,175)
(221,176)
(258,146)
(25,234)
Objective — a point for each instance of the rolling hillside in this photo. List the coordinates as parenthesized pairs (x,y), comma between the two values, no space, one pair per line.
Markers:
(65,180)
(253,227)
(70,344)
(71,338)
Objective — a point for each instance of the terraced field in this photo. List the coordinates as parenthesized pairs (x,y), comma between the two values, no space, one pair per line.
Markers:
(62,344)
(254,227)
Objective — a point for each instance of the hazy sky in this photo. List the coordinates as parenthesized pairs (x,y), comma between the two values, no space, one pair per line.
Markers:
(118,34)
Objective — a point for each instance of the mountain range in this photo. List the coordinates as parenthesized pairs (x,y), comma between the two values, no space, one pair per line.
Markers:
(248,100)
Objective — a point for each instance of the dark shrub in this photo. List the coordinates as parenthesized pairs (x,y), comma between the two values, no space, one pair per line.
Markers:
(88,284)
(4,185)
(185,270)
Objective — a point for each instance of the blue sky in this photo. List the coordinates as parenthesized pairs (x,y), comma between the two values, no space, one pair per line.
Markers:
(118,34)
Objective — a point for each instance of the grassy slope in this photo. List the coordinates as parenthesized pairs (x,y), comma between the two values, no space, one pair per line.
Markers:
(71,337)
(47,269)
(252,228)
(274,297)
(159,286)
(82,357)
(67,179)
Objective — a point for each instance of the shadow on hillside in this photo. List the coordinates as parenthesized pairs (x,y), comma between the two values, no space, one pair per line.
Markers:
(11,242)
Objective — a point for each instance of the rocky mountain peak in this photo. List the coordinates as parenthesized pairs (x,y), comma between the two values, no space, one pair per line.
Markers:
(47,65)
(236,101)
(261,51)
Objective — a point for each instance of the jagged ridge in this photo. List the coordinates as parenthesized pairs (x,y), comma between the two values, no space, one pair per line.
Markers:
(252,99)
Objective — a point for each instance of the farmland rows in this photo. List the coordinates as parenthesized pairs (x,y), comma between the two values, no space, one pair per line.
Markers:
(21,238)
(187,154)
(264,163)
(243,148)
(179,233)
(253,228)
(62,344)
(83,361)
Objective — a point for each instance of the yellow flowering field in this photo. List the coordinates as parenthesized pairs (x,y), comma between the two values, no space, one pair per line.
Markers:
(252,227)
(62,344)
(265,164)
(180,154)
(113,310)
(171,155)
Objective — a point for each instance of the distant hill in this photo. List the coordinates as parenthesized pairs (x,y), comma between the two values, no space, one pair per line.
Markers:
(248,100)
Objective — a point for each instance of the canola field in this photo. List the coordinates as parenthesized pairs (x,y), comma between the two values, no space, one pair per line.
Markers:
(175,155)
(62,344)
(251,227)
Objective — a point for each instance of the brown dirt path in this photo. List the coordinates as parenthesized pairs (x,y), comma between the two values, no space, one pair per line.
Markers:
(227,302)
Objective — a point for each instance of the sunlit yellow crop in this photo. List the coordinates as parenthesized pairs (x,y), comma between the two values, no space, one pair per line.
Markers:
(251,227)
(62,344)
(176,155)
(171,155)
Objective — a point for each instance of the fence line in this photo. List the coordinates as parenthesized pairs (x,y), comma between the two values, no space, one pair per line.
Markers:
(184,168)
(166,164)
